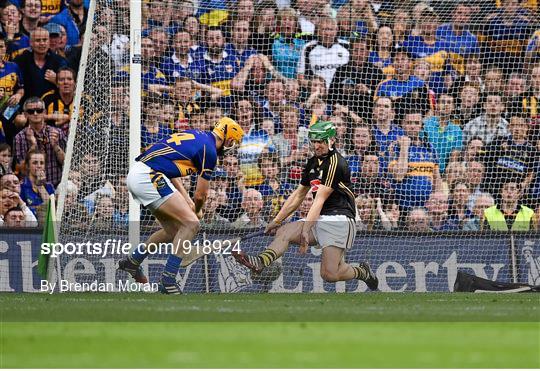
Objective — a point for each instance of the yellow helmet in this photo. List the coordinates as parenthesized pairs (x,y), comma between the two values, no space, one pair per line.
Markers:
(227,128)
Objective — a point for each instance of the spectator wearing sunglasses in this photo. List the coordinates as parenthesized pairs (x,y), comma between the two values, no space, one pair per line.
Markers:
(39,135)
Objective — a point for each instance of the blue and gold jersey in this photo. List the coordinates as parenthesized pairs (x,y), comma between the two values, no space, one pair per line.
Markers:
(218,75)
(17,46)
(52,7)
(182,154)
(10,78)
(415,188)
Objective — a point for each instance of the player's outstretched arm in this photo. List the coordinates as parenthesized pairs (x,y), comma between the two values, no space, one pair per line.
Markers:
(291,204)
(323,192)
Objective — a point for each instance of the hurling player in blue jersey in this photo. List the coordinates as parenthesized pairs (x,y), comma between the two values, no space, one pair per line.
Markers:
(155,182)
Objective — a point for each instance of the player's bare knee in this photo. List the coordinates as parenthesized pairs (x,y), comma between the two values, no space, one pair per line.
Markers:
(329,276)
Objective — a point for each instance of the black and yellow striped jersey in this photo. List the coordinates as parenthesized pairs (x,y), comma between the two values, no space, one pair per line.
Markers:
(331,171)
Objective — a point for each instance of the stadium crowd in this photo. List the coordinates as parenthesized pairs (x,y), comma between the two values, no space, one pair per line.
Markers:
(436,105)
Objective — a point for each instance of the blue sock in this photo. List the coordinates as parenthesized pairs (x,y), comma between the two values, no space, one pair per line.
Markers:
(171,267)
(137,256)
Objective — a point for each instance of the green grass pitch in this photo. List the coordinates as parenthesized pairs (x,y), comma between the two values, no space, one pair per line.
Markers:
(270,330)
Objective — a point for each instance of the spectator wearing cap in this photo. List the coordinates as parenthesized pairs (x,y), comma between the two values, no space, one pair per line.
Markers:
(353,84)
(323,56)
(40,136)
(73,18)
(490,124)
(31,11)
(16,41)
(445,136)
(57,38)
(406,91)
(39,65)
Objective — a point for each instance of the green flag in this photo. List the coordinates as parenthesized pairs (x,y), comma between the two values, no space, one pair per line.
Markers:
(49,236)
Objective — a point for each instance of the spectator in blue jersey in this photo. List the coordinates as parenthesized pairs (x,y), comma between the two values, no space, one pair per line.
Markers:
(73,18)
(253,78)
(437,207)
(39,65)
(459,199)
(384,130)
(287,46)
(11,93)
(490,124)
(444,135)
(482,202)
(16,41)
(406,91)
(239,42)
(153,80)
(180,62)
(159,14)
(35,188)
(323,56)
(274,98)
(508,31)
(49,8)
(426,46)
(31,11)
(381,56)
(414,165)
(532,53)
(353,84)
(152,129)
(459,38)
(362,143)
(217,67)
(274,190)
(255,141)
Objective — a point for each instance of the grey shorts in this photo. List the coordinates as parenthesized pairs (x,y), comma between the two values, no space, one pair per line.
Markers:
(335,230)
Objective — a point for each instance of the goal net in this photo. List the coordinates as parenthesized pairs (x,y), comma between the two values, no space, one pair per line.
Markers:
(435,106)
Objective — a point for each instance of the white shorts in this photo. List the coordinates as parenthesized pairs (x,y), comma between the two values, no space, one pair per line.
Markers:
(151,188)
(335,230)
